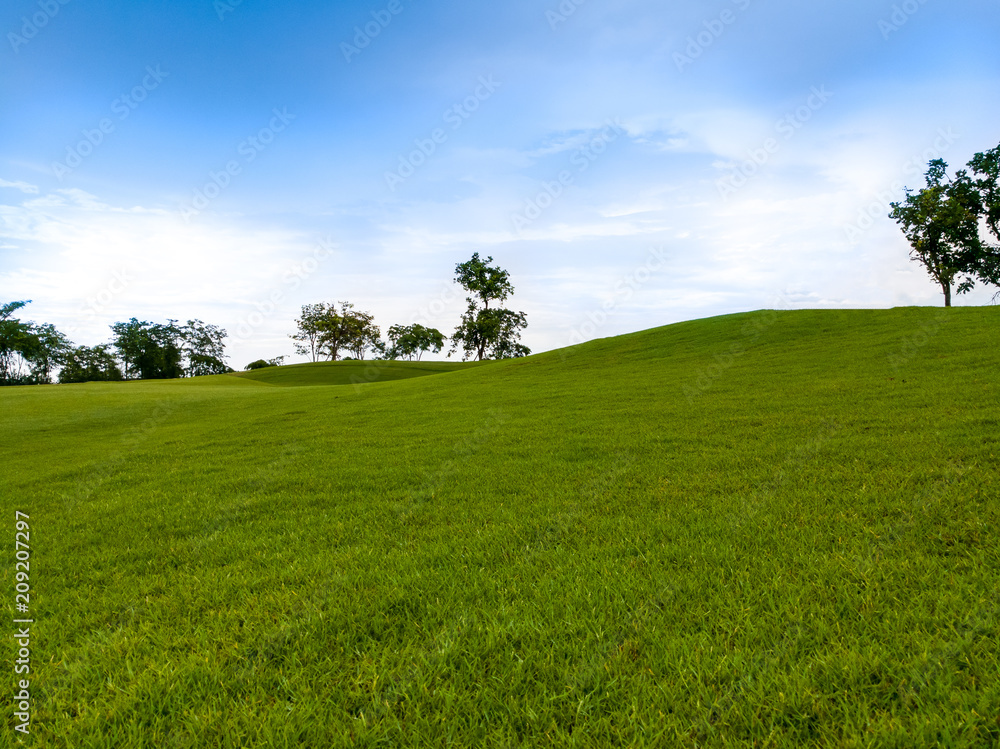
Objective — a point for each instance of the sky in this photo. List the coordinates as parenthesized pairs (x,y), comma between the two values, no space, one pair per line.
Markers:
(631,163)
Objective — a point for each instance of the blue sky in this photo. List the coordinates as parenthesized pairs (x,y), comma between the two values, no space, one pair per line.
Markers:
(631,163)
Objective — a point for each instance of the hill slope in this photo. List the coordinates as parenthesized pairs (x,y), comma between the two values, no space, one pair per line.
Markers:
(349,372)
(769,527)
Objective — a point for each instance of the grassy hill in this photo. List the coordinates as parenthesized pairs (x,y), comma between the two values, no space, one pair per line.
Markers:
(349,372)
(771,529)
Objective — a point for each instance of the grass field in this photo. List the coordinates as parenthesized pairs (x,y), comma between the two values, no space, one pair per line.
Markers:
(349,372)
(766,529)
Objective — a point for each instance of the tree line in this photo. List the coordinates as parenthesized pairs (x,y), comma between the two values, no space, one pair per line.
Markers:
(949,223)
(30,352)
(328,331)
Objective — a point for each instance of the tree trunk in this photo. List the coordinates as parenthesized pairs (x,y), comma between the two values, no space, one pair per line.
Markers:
(946,288)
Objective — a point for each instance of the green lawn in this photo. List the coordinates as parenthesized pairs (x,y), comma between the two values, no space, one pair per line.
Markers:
(349,372)
(763,529)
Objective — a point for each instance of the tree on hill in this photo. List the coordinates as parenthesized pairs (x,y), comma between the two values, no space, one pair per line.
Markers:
(307,337)
(12,334)
(156,351)
(128,338)
(37,351)
(90,364)
(334,332)
(985,169)
(361,332)
(407,341)
(204,348)
(485,332)
(942,223)
(29,353)
(262,363)
(149,351)
(47,348)
(323,330)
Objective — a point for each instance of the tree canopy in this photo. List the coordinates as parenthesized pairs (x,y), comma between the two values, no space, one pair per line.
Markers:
(33,353)
(485,332)
(91,364)
(29,353)
(409,341)
(156,351)
(326,331)
(264,363)
(985,176)
(948,221)
(485,282)
(204,348)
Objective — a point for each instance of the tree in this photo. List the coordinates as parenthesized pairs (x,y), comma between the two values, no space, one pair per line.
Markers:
(307,338)
(149,351)
(161,357)
(13,341)
(262,363)
(360,331)
(941,223)
(156,351)
(92,364)
(490,334)
(985,168)
(127,339)
(487,332)
(334,332)
(45,348)
(323,330)
(507,326)
(409,340)
(948,223)
(28,352)
(205,348)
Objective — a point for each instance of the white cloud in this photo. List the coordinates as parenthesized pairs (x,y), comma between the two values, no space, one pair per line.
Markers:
(22,186)
(87,264)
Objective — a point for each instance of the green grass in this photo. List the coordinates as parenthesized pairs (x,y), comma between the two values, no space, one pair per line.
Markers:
(764,529)
(349,372)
